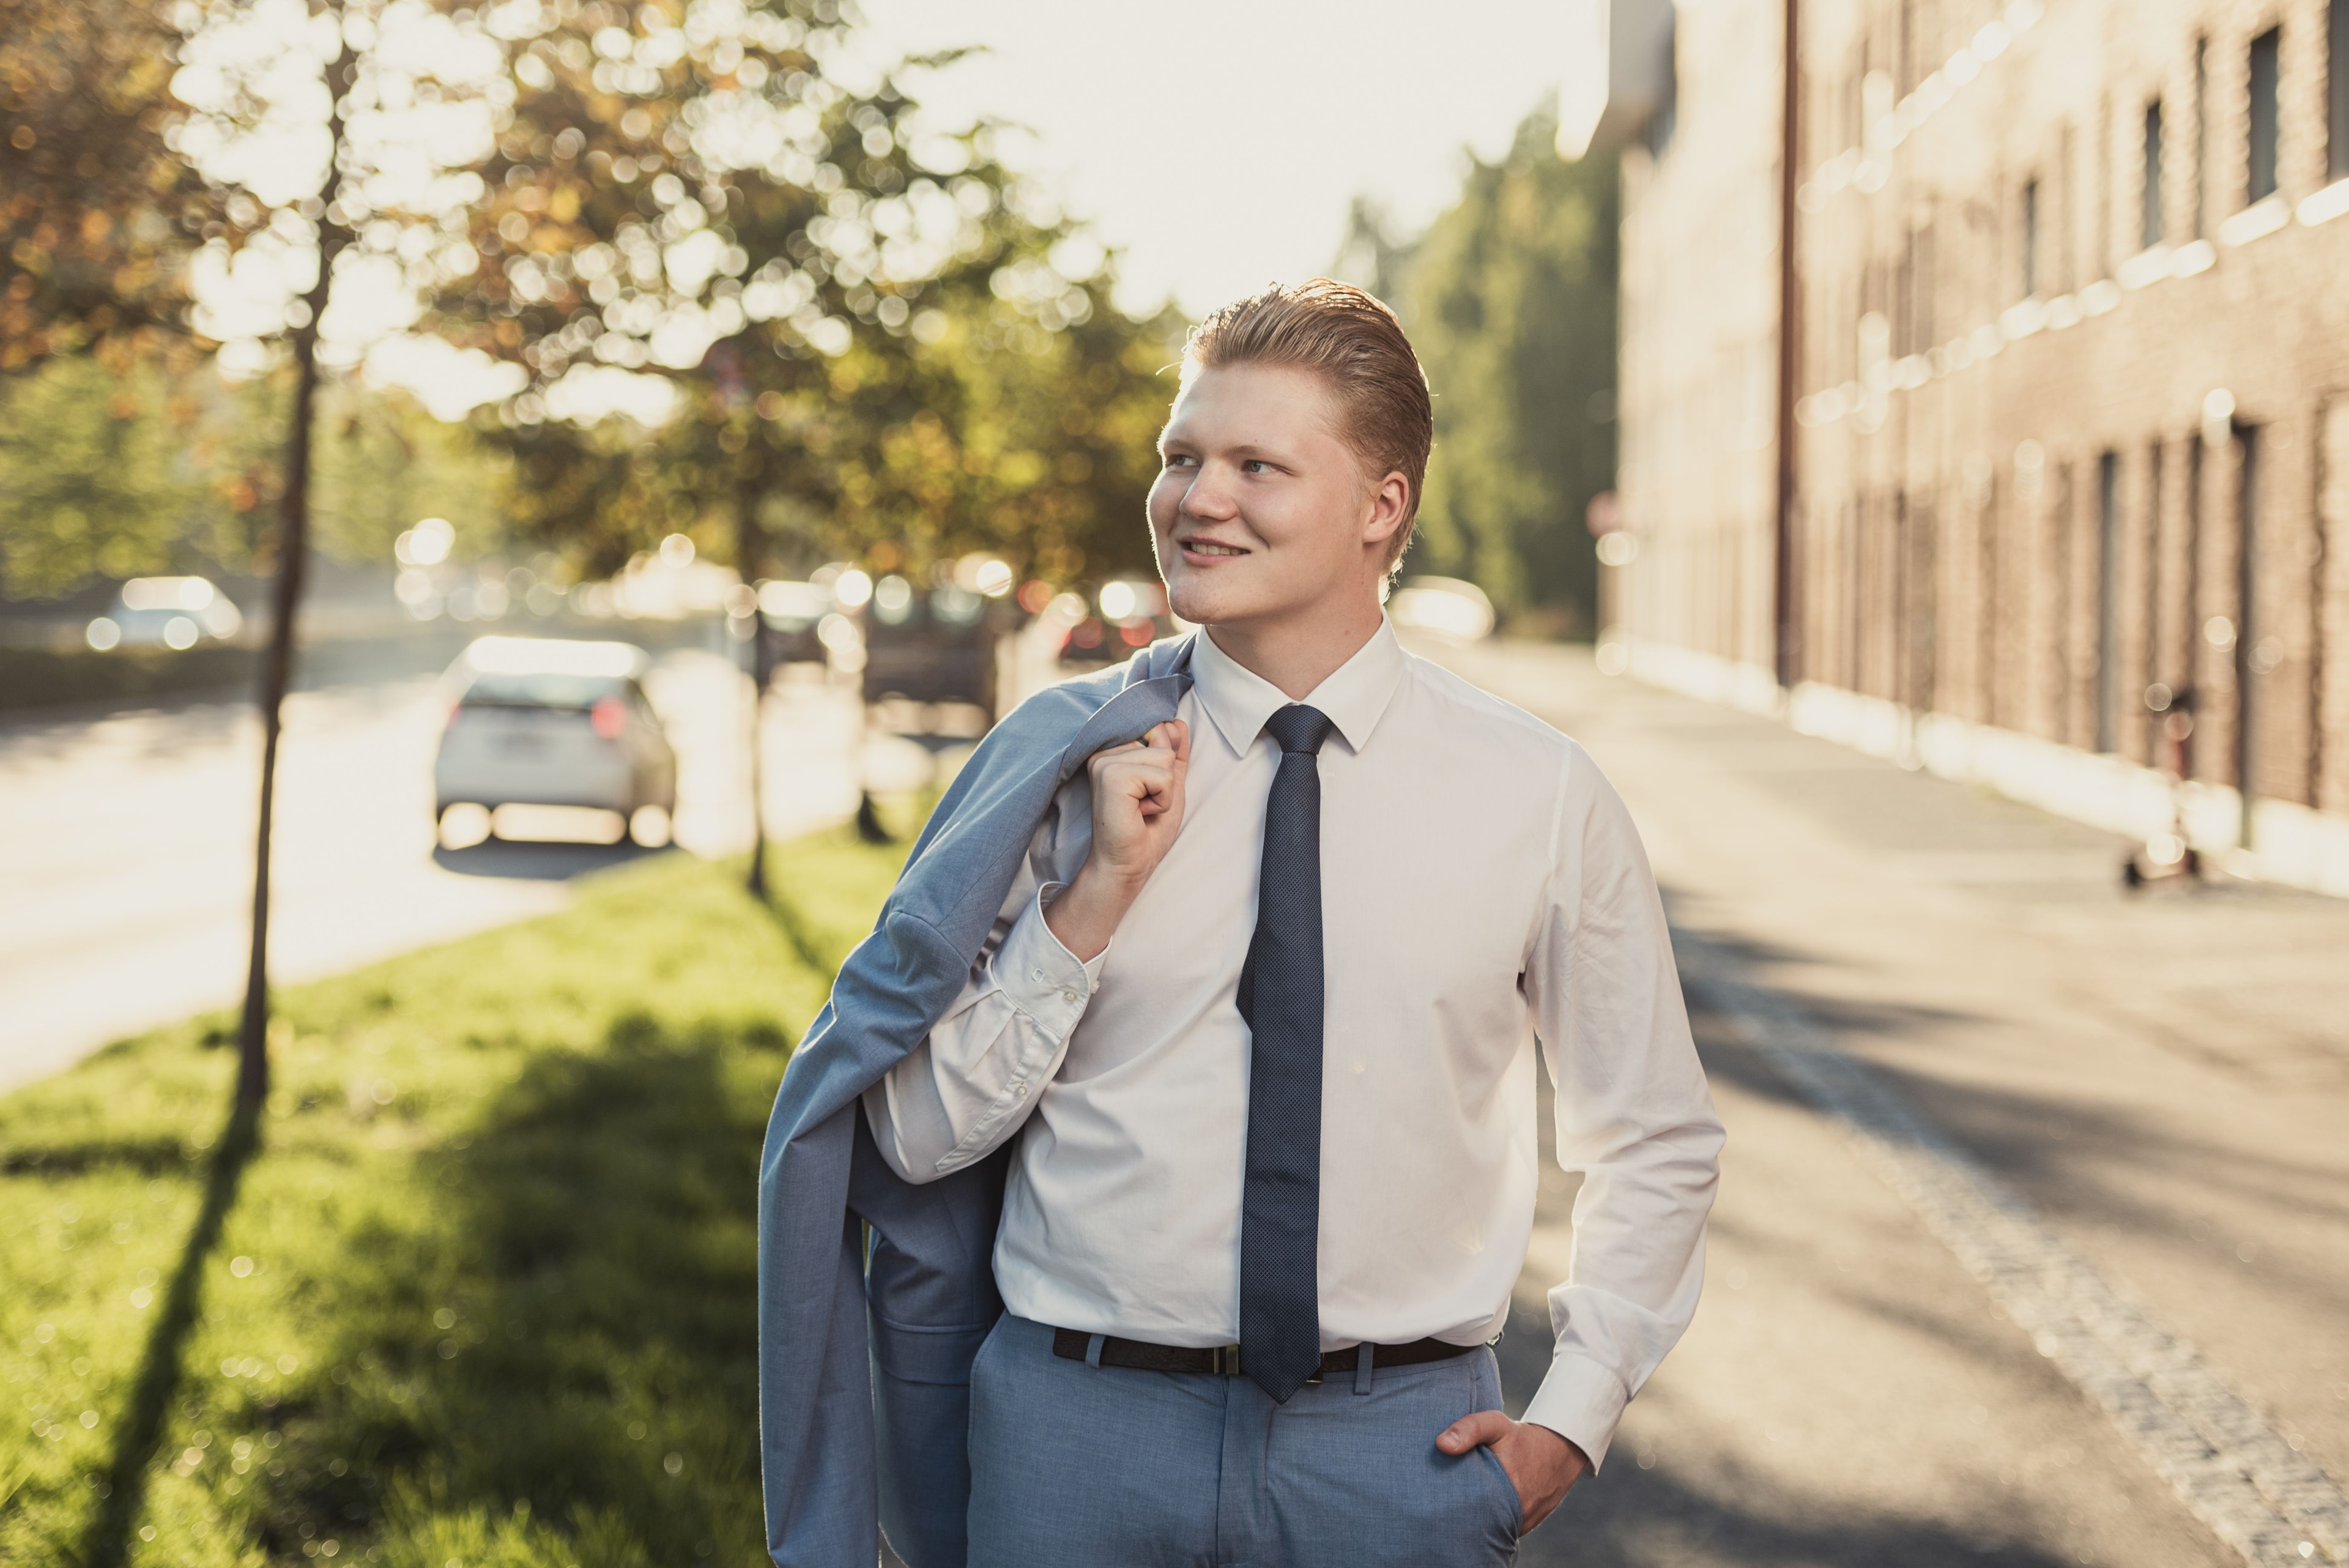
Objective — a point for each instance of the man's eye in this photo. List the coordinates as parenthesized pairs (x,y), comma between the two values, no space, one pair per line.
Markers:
(1177,459)
(1255,466)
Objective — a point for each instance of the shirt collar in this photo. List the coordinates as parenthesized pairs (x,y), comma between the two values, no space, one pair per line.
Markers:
(1352,696)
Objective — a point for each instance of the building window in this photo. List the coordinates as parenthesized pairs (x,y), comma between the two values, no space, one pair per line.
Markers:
(2103,266)
(2030,238)
(2202,134)
(2067,221)
(2156,665)
(2336,91)
(2108,621)
(1922,324)
(2249,713)
(2150,221)
(1662,122)
(2260,166)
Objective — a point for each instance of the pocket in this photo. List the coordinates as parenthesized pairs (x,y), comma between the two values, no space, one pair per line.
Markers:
(982,1364)
(1504,1492)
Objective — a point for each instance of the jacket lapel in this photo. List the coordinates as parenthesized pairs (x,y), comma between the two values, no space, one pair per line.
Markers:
(1150,700)
(1128,716)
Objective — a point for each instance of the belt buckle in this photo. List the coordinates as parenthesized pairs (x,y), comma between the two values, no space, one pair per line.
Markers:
(1227,1360)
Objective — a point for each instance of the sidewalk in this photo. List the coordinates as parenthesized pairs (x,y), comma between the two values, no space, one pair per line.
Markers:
(2160,1080)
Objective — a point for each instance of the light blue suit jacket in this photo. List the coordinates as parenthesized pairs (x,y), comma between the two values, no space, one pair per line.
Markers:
(864,1352)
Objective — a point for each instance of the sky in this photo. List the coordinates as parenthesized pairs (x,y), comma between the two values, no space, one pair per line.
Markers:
(1218,143)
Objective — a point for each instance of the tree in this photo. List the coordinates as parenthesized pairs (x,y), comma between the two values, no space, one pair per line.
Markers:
(382,461)
(879,343)
(1510,299)
(849,303)
(137,469)
(98,214)
(95,476)
(332,233)
(375,91)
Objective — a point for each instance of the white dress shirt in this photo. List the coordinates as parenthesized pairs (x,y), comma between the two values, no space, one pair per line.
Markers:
(1478,875)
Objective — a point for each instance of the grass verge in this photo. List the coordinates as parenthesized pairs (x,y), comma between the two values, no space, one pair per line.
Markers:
(477,1289)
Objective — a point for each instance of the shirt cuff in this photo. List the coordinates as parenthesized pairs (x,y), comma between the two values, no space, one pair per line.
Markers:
(1582,1402)
(1042,978)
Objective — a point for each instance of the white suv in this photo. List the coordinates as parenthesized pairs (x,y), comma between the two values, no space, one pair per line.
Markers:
(548,722)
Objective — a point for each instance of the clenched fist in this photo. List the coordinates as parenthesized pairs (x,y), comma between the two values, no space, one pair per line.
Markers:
(1137,792)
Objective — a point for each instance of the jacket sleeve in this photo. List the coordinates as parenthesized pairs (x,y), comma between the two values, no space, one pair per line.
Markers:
(966,1089)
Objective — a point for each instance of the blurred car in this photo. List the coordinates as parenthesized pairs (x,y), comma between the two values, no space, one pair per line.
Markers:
(1453,611)
(794,612)
(1123,616)
(164,612)
(938,647)
(550,721)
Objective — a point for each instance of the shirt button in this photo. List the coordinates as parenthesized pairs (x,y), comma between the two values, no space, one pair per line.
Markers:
(1068,996)
(1019,1091)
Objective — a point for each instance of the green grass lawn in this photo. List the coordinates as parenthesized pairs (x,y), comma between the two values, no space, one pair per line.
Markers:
(477,1288)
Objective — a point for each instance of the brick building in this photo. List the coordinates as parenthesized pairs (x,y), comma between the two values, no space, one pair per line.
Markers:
(2071,394)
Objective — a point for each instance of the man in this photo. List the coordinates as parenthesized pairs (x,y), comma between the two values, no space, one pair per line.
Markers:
(1246,1046)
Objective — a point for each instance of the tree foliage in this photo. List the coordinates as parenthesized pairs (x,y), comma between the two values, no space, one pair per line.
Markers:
(93,476)
(98,215)
(382,461)
(1510,300)
(880,340)
(149,145)
(112,471)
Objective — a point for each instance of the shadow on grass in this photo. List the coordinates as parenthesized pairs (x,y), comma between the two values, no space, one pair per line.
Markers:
(797,930)
(147,1155)
(123,1488)
(565,1349)
(822,933)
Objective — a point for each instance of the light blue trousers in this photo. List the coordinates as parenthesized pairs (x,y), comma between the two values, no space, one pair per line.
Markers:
(1074,1466)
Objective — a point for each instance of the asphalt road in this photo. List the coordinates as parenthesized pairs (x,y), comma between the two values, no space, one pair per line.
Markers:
(2030,1247)
(126,847)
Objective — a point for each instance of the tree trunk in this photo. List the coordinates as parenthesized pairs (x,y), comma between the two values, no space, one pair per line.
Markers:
(285,598)
(1786,652)
(749,547)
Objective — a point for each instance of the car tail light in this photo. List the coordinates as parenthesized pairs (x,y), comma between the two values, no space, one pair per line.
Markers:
(610,717)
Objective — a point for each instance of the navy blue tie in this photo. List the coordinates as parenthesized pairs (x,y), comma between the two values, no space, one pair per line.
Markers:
(1280,997)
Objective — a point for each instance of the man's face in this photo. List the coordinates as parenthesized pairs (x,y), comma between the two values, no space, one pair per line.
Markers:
(1260,509)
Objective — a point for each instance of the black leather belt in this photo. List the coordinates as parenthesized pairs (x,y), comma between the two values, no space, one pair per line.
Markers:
(1223,1360)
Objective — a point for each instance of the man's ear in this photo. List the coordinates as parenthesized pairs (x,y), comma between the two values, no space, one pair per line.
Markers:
(1390,503)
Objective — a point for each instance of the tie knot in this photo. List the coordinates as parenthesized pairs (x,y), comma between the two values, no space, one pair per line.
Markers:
(1297,728)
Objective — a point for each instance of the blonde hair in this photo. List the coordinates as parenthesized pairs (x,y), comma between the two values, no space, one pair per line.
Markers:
(1355,344)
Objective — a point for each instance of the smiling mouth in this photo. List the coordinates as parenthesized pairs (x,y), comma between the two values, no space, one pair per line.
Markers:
(1209,548)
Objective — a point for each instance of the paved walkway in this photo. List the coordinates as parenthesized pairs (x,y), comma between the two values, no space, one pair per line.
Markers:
(2053,1274)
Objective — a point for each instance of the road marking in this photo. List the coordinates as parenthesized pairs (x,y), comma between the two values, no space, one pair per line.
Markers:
(2275,1507)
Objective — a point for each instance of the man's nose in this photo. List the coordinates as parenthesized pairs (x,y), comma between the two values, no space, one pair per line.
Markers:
(1208,497)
